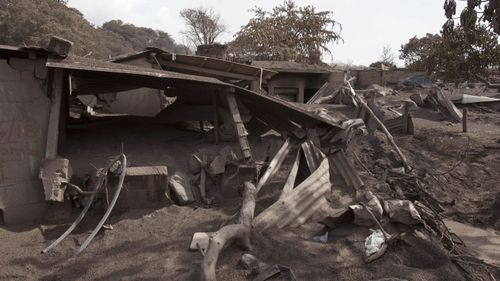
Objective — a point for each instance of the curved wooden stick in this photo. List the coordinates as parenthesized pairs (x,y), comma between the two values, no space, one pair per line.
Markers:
(229,233)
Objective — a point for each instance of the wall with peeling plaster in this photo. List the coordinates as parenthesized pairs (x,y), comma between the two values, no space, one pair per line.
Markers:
(24,111)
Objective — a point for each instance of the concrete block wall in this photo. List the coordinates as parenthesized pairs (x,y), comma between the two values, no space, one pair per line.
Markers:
(393,76)
(375,76)
(24,111)
(368,77)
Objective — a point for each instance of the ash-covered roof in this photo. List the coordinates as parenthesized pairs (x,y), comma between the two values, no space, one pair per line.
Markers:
(293,67)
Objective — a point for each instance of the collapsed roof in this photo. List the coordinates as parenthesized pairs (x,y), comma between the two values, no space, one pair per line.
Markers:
(94,77)
(206,66)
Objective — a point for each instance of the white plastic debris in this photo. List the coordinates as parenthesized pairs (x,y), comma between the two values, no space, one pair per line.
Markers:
(323,238)
(362,216)
(402,211)
(374,242)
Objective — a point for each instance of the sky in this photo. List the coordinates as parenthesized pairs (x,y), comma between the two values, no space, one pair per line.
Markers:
(367,25)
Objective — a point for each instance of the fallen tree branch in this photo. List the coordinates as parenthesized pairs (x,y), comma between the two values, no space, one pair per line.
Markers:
(381,125)
(229,233)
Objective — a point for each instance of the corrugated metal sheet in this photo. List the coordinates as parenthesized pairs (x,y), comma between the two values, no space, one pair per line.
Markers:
(192,89)
(300,204)
(194,63)
(324,91)
(147,171)
(342,166)
(396,125)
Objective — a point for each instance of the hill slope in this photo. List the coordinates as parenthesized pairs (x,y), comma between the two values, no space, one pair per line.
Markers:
(32,22)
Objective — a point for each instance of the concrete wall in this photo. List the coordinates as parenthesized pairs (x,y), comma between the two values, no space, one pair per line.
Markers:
(395,75)
(24,111)
(368,77)
(375,76)
(139,102)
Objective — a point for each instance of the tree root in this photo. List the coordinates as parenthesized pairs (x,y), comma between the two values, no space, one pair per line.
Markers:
(229,233)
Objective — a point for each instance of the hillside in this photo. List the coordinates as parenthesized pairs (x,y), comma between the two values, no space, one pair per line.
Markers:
(32,22)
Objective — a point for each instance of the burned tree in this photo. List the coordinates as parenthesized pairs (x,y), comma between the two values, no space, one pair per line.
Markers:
(203,25)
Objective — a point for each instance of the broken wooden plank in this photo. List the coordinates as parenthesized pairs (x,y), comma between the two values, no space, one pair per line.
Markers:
(238,123)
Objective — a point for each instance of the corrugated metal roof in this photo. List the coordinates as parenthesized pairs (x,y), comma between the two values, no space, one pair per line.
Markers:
(342,166)
(200,65)
(293,67)
(23,51)
(193,89)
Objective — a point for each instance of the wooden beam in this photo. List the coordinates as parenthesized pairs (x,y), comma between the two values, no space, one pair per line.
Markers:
(56,90)
(216,119)
(207,71)
(238,124)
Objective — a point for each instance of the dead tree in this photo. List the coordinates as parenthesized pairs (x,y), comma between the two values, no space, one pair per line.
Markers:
(239,232)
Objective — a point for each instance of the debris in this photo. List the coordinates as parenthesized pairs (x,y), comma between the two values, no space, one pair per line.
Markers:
(363,216)
(199,241)
(264,271)
(374,243)
(119,186)
(402,211)
(102,175)
(181,186)
(55,175)
(469,99)
(300,203)
(382,126)
(444,105)
(323,238)
(418,98)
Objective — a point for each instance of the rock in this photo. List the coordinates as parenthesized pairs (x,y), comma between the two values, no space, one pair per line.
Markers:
(181,186)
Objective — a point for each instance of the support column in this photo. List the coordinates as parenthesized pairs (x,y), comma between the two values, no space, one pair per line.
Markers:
(56,90)
(238,124)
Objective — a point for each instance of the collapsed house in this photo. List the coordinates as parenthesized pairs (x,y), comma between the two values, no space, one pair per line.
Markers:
(191,129)
(40,85)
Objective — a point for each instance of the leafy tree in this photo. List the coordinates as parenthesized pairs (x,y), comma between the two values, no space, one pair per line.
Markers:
(203,25)
(458,56)
(287,32)
(469,20)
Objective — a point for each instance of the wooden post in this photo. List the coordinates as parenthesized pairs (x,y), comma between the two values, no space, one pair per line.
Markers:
(216,119)
(464,120)
(238,124)
(406,118)
(56,90)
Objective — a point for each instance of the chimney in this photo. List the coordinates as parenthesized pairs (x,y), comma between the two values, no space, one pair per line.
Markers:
(213,50)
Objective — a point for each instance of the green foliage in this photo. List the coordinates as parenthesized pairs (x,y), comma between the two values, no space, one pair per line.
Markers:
(203,25)
(469,20)
(458,56)
(288,32)
(33,22)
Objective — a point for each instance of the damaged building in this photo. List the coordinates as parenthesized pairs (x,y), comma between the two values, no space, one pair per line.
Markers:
(289,160)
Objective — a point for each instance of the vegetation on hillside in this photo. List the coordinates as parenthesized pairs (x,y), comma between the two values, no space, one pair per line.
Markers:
(33,22)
